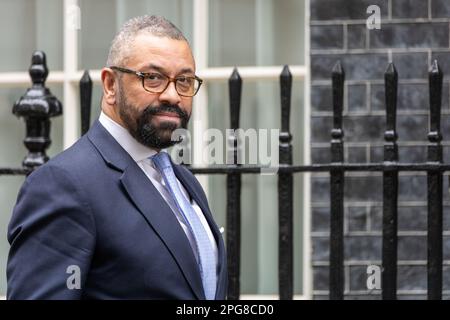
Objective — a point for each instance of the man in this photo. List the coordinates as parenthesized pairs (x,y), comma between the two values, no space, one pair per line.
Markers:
(112,217)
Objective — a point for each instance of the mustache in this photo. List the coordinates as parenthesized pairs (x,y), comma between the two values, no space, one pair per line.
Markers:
(153,110)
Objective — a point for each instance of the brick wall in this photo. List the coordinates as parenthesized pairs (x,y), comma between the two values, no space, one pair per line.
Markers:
(413,33)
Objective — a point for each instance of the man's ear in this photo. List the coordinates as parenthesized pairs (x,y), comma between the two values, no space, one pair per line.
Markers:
(109,79)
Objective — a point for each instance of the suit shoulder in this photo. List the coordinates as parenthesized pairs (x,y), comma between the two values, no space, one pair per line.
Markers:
(80,152)
(79,155)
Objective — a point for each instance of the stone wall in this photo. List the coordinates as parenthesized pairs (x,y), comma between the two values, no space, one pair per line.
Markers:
(413,33)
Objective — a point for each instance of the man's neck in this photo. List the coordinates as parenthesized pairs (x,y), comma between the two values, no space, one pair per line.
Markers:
(113,115)
(137,150)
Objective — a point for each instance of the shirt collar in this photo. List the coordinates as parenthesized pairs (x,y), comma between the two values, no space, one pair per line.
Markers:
(134,148)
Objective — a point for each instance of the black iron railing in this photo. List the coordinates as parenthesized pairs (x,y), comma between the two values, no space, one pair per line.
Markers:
(37,140)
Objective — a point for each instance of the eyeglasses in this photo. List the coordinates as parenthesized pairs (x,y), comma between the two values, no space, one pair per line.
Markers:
(157,83)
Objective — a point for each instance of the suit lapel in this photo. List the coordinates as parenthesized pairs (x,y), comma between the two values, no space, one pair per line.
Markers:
(185,180)
(162,219)
(150,203)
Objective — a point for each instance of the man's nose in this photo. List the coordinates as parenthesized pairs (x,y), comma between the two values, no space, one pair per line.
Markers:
(170,95)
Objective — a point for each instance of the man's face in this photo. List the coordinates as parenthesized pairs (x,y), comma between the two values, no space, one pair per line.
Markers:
(152,117)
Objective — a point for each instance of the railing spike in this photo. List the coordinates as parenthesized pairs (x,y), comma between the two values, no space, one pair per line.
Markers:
(391,84)
(235,90)
(336,269)
(85,101)
(435,185)
(286,72)
(390,188)
(337,69)
(285,193)
(435,68)
(233,235)
(338,78)
(37,106)
(235,76)
(285,94)
(435,77)
(391,70)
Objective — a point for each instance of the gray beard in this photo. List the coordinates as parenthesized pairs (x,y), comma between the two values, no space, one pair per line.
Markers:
(146,132)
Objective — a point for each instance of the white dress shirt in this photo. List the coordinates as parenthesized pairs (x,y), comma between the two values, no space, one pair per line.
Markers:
(141,155)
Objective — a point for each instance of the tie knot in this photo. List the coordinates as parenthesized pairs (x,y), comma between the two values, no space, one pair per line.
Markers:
(161,160)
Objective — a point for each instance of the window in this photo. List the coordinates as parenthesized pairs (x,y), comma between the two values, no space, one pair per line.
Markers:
(258,36)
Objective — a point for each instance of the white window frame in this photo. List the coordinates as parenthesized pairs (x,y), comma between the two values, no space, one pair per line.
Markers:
(70,77)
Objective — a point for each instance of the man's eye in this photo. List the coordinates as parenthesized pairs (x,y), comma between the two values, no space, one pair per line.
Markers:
(188,81)
(154,76)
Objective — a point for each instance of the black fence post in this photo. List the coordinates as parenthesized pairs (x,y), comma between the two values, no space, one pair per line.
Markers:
(435,186)
(85,101)
(234,193)
(285,189)
(337,189)
(37,106)
(390,188)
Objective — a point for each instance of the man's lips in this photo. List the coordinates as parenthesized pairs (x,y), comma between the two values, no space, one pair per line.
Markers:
(167,115)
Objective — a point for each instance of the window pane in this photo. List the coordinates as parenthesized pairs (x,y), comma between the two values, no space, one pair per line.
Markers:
(29,25)
(260,109)
(101,19)
(256,32)
(12,133)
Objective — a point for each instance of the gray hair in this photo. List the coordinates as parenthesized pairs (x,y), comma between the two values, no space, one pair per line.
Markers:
(123,40)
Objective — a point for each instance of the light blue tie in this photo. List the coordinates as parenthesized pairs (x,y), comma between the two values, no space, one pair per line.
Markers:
(205,250)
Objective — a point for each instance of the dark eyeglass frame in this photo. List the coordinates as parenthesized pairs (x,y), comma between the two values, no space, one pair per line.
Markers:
(143,75)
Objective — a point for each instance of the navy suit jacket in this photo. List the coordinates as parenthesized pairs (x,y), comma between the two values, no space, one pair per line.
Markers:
(92,207)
